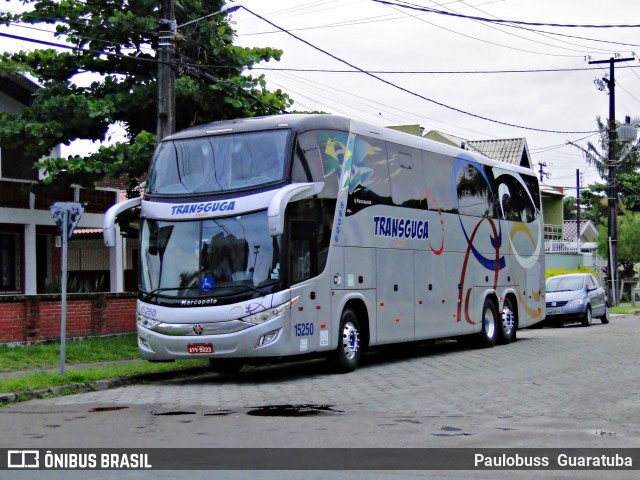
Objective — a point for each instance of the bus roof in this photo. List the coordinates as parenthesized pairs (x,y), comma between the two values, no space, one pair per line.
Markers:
(304,122)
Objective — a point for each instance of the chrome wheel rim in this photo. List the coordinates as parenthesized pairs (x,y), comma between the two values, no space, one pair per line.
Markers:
(589,318)
(489,323)
(507,320)
(350,340)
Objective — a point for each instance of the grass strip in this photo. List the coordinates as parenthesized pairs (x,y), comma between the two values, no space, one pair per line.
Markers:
(43,380)
(87,350)
(624,309)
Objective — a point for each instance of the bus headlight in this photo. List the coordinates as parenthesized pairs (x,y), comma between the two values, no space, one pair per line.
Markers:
(147,322)
(270,313)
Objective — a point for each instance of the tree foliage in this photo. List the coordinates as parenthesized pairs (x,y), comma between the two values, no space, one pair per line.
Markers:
(107,75)
(569,208)
(627,165)
(628,241)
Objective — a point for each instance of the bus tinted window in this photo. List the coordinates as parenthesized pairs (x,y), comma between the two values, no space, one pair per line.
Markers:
(515,202)
(474,195)
(438,170)
(369,182)
(532,186)
(217,163)
(408,188)
(323,152)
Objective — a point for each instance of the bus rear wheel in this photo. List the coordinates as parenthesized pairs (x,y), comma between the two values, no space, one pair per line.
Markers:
(346,357)
(508,323)
(226,366)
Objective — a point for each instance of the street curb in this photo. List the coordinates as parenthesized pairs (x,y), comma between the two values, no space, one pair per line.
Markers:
(104,384)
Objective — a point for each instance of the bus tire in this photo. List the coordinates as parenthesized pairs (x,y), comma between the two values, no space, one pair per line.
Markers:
(346,357)
(226,366)
(508,323)
(488,336)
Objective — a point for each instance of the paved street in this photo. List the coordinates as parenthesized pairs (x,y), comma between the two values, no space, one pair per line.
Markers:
(555,387)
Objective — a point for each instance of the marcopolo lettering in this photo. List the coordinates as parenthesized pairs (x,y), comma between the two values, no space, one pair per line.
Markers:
(207,207)
(401,228)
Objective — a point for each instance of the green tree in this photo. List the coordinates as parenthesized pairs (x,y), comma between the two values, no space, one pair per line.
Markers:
(627,165)
(593,203)
(569,208)
(113,43)
(628,241)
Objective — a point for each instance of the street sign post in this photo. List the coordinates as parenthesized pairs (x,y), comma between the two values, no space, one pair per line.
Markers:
(66,215)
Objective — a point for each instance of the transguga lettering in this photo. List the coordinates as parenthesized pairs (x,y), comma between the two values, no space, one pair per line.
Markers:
(401,228)
(202,207)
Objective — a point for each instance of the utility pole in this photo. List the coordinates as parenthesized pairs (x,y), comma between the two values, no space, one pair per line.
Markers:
(542,172)
(166,73)
(578,210)
(612,195)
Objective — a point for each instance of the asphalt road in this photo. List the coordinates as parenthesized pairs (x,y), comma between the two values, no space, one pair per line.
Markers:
(570,387)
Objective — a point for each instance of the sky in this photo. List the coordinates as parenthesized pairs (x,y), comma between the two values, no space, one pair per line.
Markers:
(391,65)
(375,37)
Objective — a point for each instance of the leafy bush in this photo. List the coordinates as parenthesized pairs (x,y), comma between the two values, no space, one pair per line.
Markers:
(552,272)
(74,285)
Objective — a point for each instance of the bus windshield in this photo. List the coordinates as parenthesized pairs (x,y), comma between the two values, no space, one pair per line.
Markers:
(216,257)
(218,163)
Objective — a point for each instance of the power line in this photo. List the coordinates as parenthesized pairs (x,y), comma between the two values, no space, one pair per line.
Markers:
(386,18)
(438,72)
(542,34)
(494,20)
(405,89)
(489,42)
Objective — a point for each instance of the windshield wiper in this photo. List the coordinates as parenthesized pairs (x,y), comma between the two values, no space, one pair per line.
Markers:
(259,290)
(156,291)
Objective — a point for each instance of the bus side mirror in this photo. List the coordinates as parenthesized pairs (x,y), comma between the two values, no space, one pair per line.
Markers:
(289,193)
(109,222)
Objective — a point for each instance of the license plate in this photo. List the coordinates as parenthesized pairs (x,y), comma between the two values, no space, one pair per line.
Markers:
(200,348)
(554,311)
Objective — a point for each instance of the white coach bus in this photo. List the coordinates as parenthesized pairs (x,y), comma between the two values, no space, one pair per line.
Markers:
(295,235)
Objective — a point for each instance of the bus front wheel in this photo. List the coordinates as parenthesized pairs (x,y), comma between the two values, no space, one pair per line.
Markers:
(346,357)
(488,336)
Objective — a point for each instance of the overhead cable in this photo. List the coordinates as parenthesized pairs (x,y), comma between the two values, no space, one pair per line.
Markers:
(406,90)
(498,20)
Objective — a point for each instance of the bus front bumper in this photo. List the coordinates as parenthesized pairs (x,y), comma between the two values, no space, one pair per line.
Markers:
(192,341)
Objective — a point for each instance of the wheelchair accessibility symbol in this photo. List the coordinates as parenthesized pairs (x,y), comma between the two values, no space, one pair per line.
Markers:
(206,284)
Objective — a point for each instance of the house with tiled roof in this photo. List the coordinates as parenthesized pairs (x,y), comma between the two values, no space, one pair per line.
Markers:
(588,234)
(512,150)
(30,244)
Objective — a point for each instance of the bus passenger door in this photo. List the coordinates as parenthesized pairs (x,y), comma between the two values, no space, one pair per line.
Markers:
(395,295)
(302,268)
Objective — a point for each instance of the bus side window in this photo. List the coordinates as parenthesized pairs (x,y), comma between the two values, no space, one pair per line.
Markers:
(474,195)
(303,251)
(320,154)
(514,200)
(437,170)
(369,182)
(407,178)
